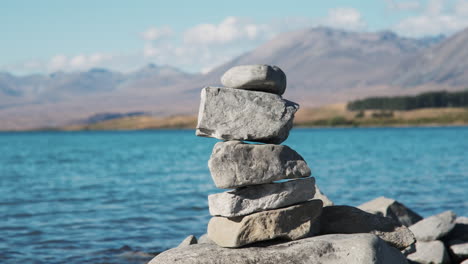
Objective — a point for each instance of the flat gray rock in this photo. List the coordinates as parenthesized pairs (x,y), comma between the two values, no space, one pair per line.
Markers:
(289,223)
(190,240)
(319,195)
(235,164)
(434,227)
(329,249)
(233,114)
(264,78)
(252,199)
(433,252)
(459,249)
(350,220)
(390,208)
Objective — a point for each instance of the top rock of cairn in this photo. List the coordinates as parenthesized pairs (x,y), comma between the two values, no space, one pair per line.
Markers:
(263,78)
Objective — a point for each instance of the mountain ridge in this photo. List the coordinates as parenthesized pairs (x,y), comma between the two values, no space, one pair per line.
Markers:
(323,66)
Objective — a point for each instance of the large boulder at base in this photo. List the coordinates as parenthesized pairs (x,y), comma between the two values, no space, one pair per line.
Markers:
(235,164)
(190,240)
(433,252)
(391,208)
(265,78)
(233,114)
(289,223)
(319,195)
(329,249)
(252,199)
(434,227)
(459,249)
(351,220)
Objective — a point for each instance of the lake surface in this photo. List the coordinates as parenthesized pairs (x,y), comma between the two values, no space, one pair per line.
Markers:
(112,197)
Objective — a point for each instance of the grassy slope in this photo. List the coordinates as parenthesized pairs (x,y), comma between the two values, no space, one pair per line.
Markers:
(331,115)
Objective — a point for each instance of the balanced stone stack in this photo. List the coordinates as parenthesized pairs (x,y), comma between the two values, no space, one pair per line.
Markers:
(258,208)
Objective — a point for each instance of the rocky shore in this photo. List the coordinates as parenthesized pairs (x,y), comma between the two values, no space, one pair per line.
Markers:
(374,232)
(273,211)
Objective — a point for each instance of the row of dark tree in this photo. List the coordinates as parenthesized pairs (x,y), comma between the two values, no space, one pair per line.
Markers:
(424,100)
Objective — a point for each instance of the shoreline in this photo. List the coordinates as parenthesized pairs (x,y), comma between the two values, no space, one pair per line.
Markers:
(192,128)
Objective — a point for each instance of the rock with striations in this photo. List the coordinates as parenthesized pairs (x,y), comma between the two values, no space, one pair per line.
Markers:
(233,114)
(235,164)
(289,223)
(351,220)
(256,198)
(459,249)
(434,227)
(190,240)
(329,249)
(432,252)
(321,196)
(264,78)
(391,208)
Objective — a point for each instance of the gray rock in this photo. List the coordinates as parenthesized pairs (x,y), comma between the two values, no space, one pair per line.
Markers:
(330,249)
(465,261)
(351,220)
(264,78)
(391,208)
(290,223)
(233,114)
(235,164)
(190,240)
(319,195)
(430,253)
(204,239)
(434,227)
(460,231)
(251,199)
(459,249)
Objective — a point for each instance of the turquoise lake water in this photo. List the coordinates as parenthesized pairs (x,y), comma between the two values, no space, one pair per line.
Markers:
(107,197)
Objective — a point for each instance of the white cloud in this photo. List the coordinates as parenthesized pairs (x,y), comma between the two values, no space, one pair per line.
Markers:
(461,8)
(154,33)
(344,18)
(405,5)
(57,63)
(439,17)
(197,49)
(229,30)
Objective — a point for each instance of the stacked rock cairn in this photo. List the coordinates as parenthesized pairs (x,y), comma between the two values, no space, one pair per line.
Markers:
(271,192)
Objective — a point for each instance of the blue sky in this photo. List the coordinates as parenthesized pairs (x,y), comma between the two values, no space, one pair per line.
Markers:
(59,35)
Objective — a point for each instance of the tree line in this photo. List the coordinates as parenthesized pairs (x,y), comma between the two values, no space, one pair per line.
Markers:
(424,100)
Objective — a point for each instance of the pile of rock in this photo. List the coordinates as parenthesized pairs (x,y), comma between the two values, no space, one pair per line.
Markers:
(251,108)
(441,238)
(273,197)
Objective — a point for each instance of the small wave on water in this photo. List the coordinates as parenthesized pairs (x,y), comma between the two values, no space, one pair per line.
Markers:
(122,197)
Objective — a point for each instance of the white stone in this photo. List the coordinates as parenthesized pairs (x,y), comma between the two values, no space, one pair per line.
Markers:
(434,227)
(235,164)
(291,223)
(329,249)
(265,78)
(233,114)
(391,208)
(251,199)
(430,253)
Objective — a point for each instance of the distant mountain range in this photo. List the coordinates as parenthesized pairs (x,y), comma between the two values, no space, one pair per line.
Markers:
(323,66)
